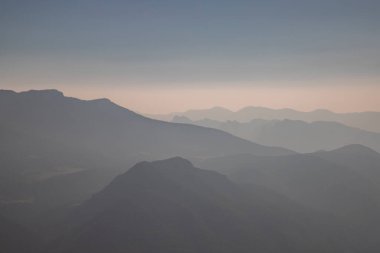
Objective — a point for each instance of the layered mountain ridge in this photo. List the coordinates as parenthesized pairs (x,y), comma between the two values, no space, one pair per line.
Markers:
(296,135)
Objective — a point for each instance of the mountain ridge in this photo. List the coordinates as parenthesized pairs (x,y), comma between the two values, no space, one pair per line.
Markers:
(64,118)
(367,120)
(297,135)
(49,140)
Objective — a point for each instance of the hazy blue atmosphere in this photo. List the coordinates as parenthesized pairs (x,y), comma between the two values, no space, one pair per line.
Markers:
(189,126)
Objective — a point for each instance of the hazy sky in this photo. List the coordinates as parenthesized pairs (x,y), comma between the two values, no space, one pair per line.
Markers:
(159,56)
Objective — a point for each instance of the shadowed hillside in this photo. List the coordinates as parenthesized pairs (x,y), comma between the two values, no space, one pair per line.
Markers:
(171,206)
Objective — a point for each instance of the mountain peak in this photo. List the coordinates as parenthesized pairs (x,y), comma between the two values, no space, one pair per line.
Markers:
(102,101)
(172,173)
(47,92)
(355,149)
(177,163)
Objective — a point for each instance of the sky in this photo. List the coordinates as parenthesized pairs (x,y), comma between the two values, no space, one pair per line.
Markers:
(160,56)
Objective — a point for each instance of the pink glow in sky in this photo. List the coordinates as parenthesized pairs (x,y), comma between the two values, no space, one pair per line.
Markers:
(151,100)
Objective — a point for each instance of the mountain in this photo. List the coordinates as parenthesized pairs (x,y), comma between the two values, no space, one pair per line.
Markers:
(49,142)
(342,182)
(64,177)
(309,179)
(361,159)
(369,121)
(296,135)
(107,130)
(171,206)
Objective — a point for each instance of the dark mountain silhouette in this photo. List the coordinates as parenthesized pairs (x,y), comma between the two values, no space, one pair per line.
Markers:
(171,206)
(342,182)
(361,159)
(369,121)
(293,134)
(306,178)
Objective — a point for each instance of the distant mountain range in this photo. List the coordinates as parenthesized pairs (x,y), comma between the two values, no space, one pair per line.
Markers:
(369,121)
(293,134)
